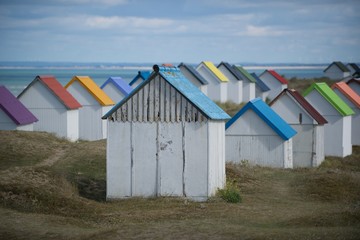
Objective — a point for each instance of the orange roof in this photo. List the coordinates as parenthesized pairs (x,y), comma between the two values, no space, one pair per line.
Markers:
(93,89)
(348,92)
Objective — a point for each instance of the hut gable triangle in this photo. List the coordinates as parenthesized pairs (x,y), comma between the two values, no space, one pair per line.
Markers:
(14,109)
(119,83)
(88,84)
(330,96)
(166,96)
(219,75)
(269,116)
(240,71)
(193,71)
(348,92)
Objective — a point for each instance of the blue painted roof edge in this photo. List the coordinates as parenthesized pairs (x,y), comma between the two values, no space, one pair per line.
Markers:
(119,83)
(283,129)
(260,83)
(141,74)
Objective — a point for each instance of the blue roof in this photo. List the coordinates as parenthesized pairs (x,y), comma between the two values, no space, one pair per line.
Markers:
(259,83)
(231,70)
(119,83)
(177,80)
(195,73)
(143,75)
(284,130)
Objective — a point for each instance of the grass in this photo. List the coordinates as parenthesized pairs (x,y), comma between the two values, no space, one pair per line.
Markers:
(65,199)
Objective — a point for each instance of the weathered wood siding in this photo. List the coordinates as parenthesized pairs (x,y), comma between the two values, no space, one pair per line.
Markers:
(53,116)
(252,140)
(158,145)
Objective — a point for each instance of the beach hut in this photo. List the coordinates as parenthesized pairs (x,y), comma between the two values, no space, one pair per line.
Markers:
(235,84)
(352,99)
(261,89)
(116,88)
(166,138)
(13,114)
(353,68)
(139,78)
(95,104)
(217,87)
(194,77)
(338,115)
(354,84)
(258,135)
(56,109)
(274,81)
(248,83)
(337,70)
(308,143)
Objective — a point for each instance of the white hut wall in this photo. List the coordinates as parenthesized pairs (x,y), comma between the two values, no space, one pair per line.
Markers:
(91,126)
(249,91)
(333,72)
(47,108)
(6,123)
(234,87)
(168,138)
(72,124)
(319,153)
(274,85)
(113,92)
(214,86)
(251,139)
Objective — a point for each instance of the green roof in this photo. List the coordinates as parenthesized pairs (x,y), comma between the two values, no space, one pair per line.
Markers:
(331,97)
(340,65)
(246,74)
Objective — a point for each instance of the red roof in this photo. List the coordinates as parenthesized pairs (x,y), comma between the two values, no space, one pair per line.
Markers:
(304,104)
(348,92)
(278,77)
(64,96)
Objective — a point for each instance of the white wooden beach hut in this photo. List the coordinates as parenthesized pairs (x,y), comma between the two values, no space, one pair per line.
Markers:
(261,89)
(217,87)
(353,68)
(260,136)
(116,88)
(194,77)
(56,109)
(13,114)
(354,84)
(352,99)
(95,103)
(166,138)
(274,81)
(235,84)
(308,143)
(338,115)
(139,78)
(248,83)
(337,71)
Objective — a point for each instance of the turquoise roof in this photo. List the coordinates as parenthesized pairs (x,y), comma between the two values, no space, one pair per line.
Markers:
(270,117)
(142,75)
(177,80)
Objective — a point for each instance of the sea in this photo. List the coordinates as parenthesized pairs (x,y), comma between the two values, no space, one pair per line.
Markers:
(17,78)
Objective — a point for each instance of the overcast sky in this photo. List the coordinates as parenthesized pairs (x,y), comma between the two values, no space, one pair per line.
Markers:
(258,31)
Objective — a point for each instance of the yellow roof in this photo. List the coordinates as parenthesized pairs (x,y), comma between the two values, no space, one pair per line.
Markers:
(93,89)
(216,71)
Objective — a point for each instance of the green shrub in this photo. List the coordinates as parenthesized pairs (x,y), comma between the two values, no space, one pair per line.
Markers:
(230,193)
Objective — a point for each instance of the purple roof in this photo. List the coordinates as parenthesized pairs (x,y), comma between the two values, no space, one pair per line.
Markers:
(120,84)
(14,108)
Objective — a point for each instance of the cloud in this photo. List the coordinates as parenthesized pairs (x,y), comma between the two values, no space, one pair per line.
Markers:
(128,22)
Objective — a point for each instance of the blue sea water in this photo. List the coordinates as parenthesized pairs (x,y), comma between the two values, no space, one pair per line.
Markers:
(17,79)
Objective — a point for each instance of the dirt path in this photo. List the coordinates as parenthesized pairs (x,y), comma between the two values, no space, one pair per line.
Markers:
(59,153)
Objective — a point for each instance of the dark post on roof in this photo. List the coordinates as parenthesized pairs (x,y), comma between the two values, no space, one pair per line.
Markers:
(156,68)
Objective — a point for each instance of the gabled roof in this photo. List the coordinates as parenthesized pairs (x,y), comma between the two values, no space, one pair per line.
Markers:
(340,65)
(260,83)
(15,110)
(348,92)
(330,96)
(277,76)
(270,117)
(57,89)
(353,80)
(354,66)
(243,73)
(141,75)
(102,98)
(177,80)
(215,71)
(193,71)
(230,69)
(303,103)
(119,83)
